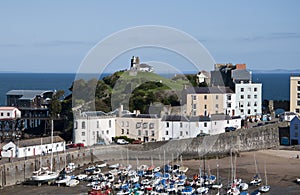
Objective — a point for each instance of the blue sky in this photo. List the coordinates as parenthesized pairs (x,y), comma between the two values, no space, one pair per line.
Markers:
(55,36)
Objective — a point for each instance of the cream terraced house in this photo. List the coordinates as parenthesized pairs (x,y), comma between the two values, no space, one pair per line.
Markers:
(205,101)
(144,127)
(295,94)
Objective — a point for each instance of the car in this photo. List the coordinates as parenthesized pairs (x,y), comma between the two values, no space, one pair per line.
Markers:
(202,134)
(122,141)
(228,129)
(137,142)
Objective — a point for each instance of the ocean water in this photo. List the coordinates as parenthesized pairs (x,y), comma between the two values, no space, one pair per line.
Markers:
(275,86)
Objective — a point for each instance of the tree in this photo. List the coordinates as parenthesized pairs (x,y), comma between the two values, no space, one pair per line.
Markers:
(55,108)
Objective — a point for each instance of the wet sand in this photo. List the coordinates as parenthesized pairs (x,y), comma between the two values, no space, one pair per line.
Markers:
(282,168)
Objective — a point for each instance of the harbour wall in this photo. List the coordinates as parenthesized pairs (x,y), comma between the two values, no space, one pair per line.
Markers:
(257,138)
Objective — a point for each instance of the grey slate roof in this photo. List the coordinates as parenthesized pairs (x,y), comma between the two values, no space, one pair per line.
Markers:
(174,118)
(208,90)
(241,75)
(27,94)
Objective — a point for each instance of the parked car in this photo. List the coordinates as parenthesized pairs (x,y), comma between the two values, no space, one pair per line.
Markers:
(202,134)
(228,129)
(137,142)
(122,141)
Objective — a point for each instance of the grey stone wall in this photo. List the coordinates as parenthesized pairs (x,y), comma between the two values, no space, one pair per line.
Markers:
(263,137)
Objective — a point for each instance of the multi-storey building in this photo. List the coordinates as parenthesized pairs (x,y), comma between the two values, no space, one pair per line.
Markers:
(205,101)
(248,99)
(93,127)
(295,94)
(144,127)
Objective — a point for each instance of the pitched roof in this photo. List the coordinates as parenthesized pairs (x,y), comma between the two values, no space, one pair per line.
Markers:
(27,94)
(38,141)
(241,75)
(208,90)
(174,118)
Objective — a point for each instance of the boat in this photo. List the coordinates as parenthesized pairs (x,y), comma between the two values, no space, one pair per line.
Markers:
(188,190)
(114,166)
(63,179)
(102,165)
(202,190)
(72,183)
(183,169)
(45,174)
(256,179)
(243,186)
(70,167)
(298,180)
(266,187)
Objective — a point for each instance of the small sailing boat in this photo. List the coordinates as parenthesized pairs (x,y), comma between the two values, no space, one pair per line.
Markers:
(45,174)
(266,187)
(256,179)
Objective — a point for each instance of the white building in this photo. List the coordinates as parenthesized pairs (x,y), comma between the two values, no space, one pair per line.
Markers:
(33,147)
(93,127)
(9,112)
(287,116)
(248,99)
(181,127)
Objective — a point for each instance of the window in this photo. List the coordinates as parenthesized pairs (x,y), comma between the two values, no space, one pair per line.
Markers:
(298,95)
(255,103)
(94,133)
(187,133)
(122,131)
(205,106)
(298,88)
(145,125)
(139,132)
(194,106)
(83,133)
(167,132)
(97,124)
(8,114)
(296,126)
(205,124)
(205,97)
(151,125)
(102,132)
(107,131)
(242,96)
(298,103)
(127,124)
(249,89)
(122,123)
(255,111)
(180,125)
(127,131)
(298,82)
(217,97)
(83,125)
(249,96)
(296,134)
(152,133)
(146,133)
(255,96)
(194,113)
(168,124)
(75,125)
(217,105)
(255,89)
(1,113)
(138,125)
(227,121)
(249,111)
(194,97)
(242,89)
(109,123)
(242,111)
(229,97)
(181,133)
(228,105)
(297,110)
(249,104)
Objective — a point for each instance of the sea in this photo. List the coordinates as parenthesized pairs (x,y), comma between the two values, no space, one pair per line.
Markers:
(275,86)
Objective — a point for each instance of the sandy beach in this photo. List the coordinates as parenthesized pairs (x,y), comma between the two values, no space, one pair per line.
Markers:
(282,168)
